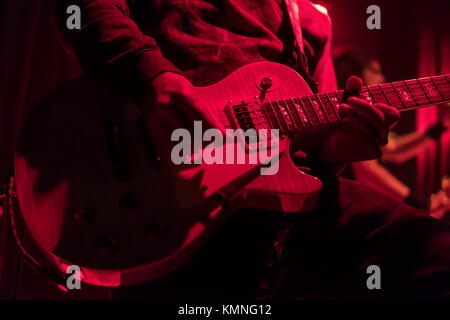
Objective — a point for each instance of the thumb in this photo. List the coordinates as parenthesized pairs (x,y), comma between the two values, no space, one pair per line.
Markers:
(354,82)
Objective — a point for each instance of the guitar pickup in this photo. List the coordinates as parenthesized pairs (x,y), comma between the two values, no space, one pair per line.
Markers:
(247,114)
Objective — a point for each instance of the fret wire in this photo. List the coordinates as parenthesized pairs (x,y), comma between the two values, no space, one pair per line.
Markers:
(372,94)
(323,108)
(382,91)
(314,109)
(300,117)
(390,94)
(400,86)
(445,86)
(295,113)
(412,94)
(364,94)
(275,114)
(379,93)
(283,116)
(429,81)
(444,81)
(272,116)
(423,90)
(305,111)
(396,93)
(289,112)
(269,120)
(339,95)
(332,106)
(338,99)
(437,88)
(447,78)
(418,89)
(317,110)
(298,113)
(421,93)
(327,107)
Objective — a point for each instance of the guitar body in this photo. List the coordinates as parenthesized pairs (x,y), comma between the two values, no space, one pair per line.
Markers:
(94,193)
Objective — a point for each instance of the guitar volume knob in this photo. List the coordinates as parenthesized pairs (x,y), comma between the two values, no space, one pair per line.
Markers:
(266,83)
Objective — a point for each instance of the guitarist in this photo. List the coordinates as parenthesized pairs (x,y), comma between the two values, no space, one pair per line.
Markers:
(157,50)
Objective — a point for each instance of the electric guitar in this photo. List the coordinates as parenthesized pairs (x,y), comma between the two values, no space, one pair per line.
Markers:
(94,192)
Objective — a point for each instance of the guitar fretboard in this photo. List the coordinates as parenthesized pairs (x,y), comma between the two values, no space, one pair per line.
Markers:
(293,114)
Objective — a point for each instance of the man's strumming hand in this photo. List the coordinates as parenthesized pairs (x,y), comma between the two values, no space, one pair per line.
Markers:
(169,103)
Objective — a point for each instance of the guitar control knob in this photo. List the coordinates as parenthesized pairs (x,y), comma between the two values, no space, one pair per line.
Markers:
(266,83)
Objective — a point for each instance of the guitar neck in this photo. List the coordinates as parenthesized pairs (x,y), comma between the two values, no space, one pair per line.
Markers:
(293,114)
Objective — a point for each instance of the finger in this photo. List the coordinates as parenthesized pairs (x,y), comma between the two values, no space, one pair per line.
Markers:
(170,120)
(162,99)
(391,114)
(195,111)
(372,151)
(366,112)
(211,120)
(379,136)
(366,149)
(159,137)
(384,138)
(354,83)
(360,126)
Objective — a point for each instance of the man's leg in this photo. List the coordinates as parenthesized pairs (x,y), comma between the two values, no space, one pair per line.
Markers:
(237,262)
(354,227)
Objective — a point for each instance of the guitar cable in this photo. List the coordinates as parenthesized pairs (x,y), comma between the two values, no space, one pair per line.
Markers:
(58,279)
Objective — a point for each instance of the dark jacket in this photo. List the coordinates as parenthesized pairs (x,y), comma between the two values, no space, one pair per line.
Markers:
(135,40)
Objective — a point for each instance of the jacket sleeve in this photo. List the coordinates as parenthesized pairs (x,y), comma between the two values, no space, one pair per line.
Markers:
(110,41)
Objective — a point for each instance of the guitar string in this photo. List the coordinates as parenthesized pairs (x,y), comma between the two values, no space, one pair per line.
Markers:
(325,95)
(389,90)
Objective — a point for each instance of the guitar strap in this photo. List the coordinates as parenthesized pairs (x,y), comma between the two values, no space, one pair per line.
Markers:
(294,17)
(293,10)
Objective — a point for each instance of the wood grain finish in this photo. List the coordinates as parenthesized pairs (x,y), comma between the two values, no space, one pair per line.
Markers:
(137,227)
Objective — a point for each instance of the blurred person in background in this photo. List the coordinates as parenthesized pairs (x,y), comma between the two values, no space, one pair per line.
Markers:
(400,148)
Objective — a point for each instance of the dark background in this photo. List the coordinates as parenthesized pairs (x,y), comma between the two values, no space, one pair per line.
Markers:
(413,41)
